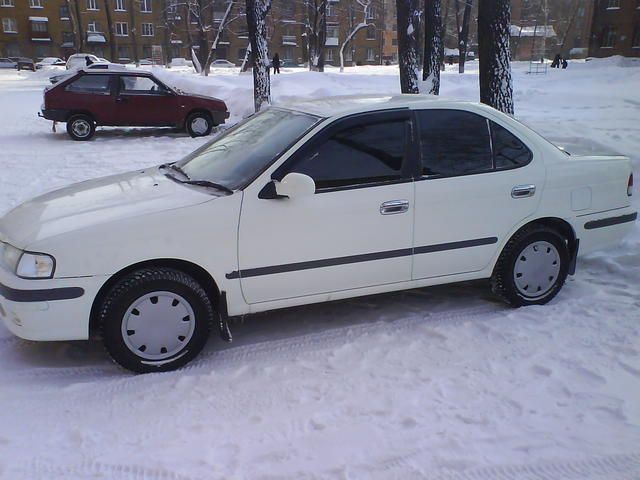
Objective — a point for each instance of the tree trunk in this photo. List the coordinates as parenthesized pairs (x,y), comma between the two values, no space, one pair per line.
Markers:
(408,19)
(445,22)
(463,35)
(432,47)
(257,11)
(496,89)
(112,34)
(79,32)
(133,31)
(214,46)
(317,33)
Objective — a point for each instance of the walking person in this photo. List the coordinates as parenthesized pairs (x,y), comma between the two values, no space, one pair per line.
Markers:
(276,63)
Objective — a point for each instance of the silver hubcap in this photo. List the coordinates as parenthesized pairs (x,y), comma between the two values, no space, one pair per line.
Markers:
(536,269)
(199,125)
(158,325)
(81,128)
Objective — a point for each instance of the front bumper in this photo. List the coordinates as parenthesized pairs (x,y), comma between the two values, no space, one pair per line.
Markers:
(51,309)
(57,115)
(219,117)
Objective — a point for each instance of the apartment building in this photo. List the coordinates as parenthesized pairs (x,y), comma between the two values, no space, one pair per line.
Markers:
(615,29)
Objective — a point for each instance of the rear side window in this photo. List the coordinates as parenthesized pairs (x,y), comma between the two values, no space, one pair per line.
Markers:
(454,142)
(508,151)
(357,155)
(90,84)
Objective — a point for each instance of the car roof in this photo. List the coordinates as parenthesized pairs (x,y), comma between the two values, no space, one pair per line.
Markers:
(124,70)
(352,104)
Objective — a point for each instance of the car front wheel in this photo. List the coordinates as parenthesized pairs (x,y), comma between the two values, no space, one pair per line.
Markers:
(532,268)
(155,319)
(81,127)
(199,124)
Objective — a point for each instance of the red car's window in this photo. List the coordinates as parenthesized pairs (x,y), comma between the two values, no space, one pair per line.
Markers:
(90,84)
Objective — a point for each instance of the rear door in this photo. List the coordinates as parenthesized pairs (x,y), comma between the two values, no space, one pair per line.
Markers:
(143,101)
(478,181)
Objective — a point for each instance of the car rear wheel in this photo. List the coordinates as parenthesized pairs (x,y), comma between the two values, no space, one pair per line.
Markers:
(532,268)
(81,127)
(155,320)
(199,124)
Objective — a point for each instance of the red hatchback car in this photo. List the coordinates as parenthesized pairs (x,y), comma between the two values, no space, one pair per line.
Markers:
(120,98)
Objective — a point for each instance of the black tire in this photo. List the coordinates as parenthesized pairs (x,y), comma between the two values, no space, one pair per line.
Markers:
(81,127)
(132,288)
(199,124)
(503,280)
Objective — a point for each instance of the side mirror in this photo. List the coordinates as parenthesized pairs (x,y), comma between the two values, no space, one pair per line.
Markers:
(296,185)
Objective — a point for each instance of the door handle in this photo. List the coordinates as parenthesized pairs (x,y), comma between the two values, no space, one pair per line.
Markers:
(394,206)
(523,191)
(122,99)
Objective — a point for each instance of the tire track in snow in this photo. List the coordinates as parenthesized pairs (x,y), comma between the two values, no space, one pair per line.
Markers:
(311,344)
(620,467)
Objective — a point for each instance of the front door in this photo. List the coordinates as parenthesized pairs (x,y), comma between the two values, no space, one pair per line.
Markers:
(141,101)
(464,200)
(355,231)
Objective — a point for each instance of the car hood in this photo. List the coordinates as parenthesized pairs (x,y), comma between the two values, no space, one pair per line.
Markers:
(98,201)
(202,97)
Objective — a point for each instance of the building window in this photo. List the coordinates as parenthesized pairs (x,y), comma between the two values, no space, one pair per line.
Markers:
(371,55)
(9,25)
(64,12)
(241,53)
(123,53)
(92,4)
(122,29)
(329,55)
(35,3)
(635,41)
(331,11)
(147,29)
(120,6)
(613,3)
(68,37)
(7,3)
(609,35)
(93,26)
(371,13)
(145,6)
(40,27)
(371,32)
(42,51)
(333,32)
(146,51)
(348,56)
(172,7)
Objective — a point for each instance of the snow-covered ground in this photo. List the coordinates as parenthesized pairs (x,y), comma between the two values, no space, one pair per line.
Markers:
(439,383)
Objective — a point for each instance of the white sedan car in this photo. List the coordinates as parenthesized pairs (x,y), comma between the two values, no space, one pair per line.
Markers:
(325,200)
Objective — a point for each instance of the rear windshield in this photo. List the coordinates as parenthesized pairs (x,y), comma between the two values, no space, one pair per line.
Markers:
(240,154)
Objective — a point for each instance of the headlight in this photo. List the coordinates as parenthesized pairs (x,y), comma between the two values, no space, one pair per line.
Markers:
(35,265)
(9,256)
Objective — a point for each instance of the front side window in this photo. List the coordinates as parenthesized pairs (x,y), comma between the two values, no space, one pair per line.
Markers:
(454,142)
(138,85)
(90,84)
(241,153)
(363,154)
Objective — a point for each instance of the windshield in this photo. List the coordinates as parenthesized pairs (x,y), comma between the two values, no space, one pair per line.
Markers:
(241,153)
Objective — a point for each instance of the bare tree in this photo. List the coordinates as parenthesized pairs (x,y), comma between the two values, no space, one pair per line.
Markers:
(316,33)
(463,32)
(365,4)
(496,88)
(408,20)
(77,23)
(257,11)
(432,47)
(133,31)
(110,27)
(226,19)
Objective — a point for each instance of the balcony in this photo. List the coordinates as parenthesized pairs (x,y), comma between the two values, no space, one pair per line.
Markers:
(289,40)
(332,42)
(96,37)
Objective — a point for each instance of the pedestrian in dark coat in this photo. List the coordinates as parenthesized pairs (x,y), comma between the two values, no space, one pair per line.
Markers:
(556,61)
(276,63)
(564,63)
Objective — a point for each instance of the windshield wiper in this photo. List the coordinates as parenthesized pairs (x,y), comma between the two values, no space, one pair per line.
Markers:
(175,167)
(207,183)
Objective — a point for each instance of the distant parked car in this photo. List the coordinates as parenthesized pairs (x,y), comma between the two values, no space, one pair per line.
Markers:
(221,63)
(79,60)
(7,63)
(24,63)
(50,62)
(180,62)
(128,98)
(94,66)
